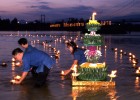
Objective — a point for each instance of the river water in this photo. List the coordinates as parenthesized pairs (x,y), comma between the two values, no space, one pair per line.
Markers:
(59,87)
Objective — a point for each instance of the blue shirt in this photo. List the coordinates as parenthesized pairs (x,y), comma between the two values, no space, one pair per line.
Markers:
(36,58)
(80,56)
(29,49)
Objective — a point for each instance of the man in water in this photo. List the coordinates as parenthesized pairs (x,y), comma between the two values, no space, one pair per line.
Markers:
(40,59)
(28,49)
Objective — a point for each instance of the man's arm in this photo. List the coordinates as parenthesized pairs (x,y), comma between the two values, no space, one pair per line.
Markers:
(24,74)
(66,72)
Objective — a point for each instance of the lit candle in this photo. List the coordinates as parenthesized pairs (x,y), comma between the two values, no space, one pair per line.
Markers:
(17,77)
(93,15)
(134,61)
(49,45)
(4,64)
(138,68)
(58,52)
(112,75)
(18,64)
(13,81)
(75,69)
(133,56)
(62,72)
(137,71)
(115,49)
(137,78)
(134,65)
(13,59)
(83,47)
(130,54)
(121,51)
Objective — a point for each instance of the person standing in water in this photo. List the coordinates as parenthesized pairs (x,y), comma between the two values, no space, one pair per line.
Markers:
(38,58)
(79,56)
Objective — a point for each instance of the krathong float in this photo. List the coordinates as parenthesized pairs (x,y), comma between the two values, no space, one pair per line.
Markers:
(93,73)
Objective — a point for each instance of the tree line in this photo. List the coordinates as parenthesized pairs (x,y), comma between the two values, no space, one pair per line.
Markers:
(15,25)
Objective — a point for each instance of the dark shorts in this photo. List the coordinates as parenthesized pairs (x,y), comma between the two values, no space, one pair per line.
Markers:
(40,78)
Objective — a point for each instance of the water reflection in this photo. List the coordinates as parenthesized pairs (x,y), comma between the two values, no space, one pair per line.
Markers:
(137,84)
(59,87)
(115,56)
(83,93)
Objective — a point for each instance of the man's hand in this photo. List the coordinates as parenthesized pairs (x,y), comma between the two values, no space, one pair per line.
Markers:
(66,72)
(15,82)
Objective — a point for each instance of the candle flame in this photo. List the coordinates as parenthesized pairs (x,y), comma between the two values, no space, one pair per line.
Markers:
(134,61)
(58,52)
(62,72)
(94,13)
(75,68)
(113,74)
(12,81)
(130,54)
(13,59)
(17,63)
(17,77)
(137,71)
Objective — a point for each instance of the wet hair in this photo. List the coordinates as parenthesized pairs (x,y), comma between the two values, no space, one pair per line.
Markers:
(73,45)
(22,41)
(16,51)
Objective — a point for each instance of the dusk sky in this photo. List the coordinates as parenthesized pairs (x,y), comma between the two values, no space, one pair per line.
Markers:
(30,10)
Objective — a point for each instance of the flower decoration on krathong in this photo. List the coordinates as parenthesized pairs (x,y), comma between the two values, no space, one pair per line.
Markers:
(92,54)
(93,22)
(92,33)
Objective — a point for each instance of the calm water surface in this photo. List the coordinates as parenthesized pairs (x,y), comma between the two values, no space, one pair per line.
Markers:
(60,88)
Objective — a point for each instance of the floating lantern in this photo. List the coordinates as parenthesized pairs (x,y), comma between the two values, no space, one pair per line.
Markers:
(62,72)
(75,74)
(3,64)
(13,59)
(58,52)
(137,78)
(17,77)
(49,46)
(13,64)
(138,71)
(134,65)
(66,41)
(121,51)
(134,61)
(130,54)
(133,56)
(112,75)
(18,64)
(13,81)
(115,49)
